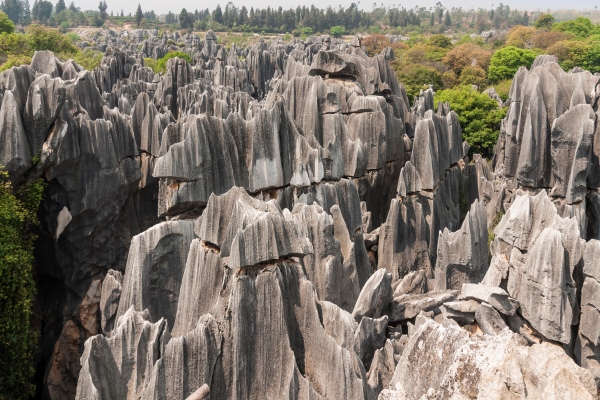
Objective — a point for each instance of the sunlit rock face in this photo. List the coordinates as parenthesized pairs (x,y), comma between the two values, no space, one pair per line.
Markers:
(278,221)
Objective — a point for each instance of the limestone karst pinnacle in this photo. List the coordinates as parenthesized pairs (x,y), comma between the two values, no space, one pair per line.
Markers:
(278,221)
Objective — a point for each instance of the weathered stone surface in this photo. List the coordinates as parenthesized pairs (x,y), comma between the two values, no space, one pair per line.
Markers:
(497,271)
(413,283)
(123,361)
(444,362)
(463,255)
(571,144)
(188,362)
(489,320)
(408,306)
(332,266)
(543,251)
(462,311)
(112,285)
(368,337)
(494,296)
(339,324)
(16,154)
(294,154)
(374,297)
(555,315)
(201,287)
(154,271)
(382,367)
(409,181)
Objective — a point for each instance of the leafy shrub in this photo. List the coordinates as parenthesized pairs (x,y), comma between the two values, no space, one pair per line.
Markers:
(440,41)
(503,88)
(581,27)
(505,62)
(337,31)
(150,63)
(544,21)
(15,61)
(521,36)
(416,77)
(40,38)
(17,339)
(467,55)
(88,58)
(161,64)
(6,25)
(73,37)
(479,117)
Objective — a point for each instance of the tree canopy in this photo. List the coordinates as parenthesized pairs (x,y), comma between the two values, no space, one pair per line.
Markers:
(479,117)
(506,61)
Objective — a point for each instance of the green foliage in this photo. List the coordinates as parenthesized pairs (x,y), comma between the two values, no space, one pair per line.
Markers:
(503,88)
(41,38)
(544,21)
(17,339)
(88,58)
(14,61)
(337,31)
(161,64)
(580,27)
(505,62)
(139,15)
(14,44)
(440,41)
(416,77)
(150,63)
(479,117)
(6,25)
(73,37)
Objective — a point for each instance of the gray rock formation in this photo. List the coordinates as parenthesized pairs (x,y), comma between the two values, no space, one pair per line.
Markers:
(374,297)
(270,221)
(463,255)
(543,251)
(445,362)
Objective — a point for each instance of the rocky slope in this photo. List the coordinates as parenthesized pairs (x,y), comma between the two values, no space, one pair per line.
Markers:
(280,222)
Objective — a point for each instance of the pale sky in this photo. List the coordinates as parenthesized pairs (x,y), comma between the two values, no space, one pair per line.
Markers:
(162,7)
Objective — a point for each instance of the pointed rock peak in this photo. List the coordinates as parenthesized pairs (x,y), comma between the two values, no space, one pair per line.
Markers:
(544,59)
(409,181)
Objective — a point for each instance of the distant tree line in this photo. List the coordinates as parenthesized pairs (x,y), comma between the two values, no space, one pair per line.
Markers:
(299,20)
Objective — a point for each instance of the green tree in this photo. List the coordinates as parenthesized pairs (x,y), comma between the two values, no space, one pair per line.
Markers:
(479,117)
(41,10)
(17,339)
(447,20)
(138,15)
(415,77)
(12,8)
(40,38)
(581,27)
(218,14)
(102,7)
(544,21)
(60,5)
(186,19)
(505,62)
(6,25)
(440,41)
(337,31)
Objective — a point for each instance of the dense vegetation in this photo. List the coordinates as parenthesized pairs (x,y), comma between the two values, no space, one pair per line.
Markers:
(17,339)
